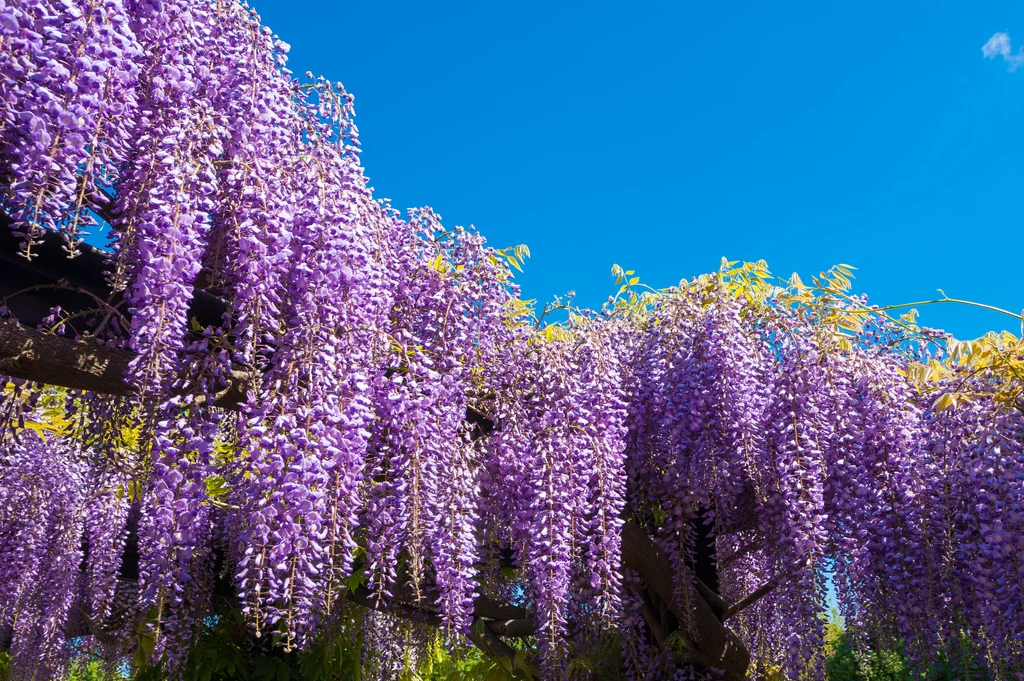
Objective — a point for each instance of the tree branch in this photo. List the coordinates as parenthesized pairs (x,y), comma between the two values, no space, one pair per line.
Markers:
(709,637)
(717,603)
(512,628)
(488,608)
(756,595)
(653,623)
(484,634)
(368,599)
(489,643)
(739,553)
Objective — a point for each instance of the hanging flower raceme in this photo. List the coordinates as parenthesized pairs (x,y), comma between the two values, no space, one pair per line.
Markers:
(106,526)
(602,418)
(68,100)
(307,434)
(554,486)
(54,504)
(422,498)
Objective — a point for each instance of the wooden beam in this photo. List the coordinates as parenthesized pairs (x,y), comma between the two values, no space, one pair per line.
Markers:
(78,364)
(56,360)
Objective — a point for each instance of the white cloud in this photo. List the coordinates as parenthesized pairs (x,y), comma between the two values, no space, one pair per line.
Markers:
(999,46)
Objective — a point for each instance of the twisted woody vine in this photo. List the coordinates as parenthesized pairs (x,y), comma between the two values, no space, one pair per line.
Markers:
(286,398)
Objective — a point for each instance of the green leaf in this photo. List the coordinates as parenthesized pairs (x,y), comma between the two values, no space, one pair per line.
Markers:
(357,579)
(945,401)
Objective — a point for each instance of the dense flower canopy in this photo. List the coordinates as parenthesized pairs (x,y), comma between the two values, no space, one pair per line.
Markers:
(404,429)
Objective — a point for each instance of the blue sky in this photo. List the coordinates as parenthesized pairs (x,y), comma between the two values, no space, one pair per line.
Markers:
(665,135)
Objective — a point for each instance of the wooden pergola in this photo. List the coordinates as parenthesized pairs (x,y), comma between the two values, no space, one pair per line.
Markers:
(32,287)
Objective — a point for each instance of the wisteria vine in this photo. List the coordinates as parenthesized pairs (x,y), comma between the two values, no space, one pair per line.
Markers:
(405,433)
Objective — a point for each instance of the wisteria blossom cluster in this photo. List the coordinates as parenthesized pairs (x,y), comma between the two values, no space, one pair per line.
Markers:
(377,417)
(50,502)
(811,459)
